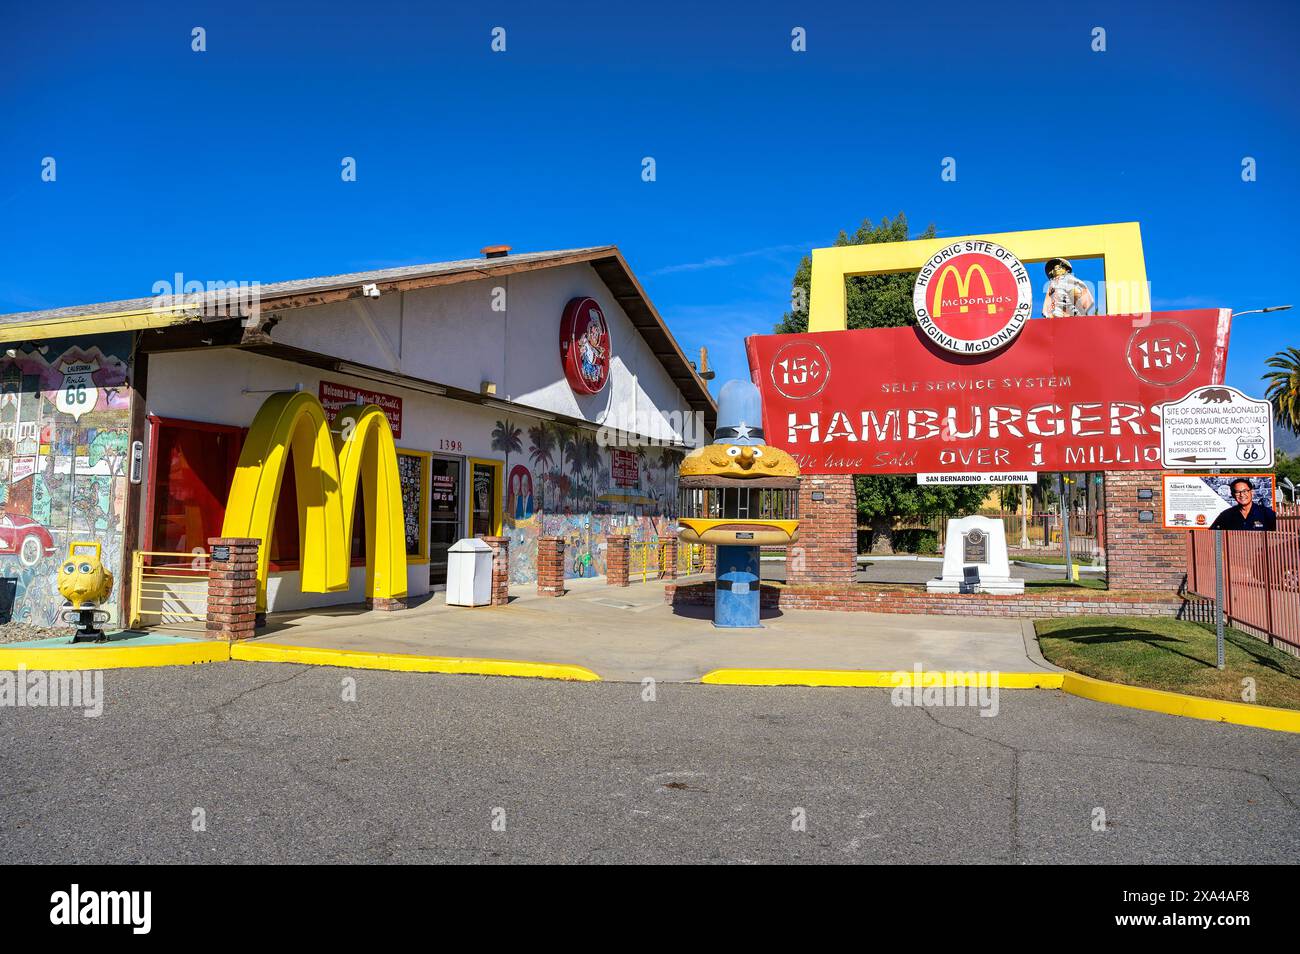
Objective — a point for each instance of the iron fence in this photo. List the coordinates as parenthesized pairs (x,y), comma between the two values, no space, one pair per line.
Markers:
(1261,577)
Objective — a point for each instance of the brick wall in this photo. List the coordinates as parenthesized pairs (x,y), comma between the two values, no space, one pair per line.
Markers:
(616,559)
(500,569)
(1141,556)
(827,549)
(871,599)
(668,541)
(550,566)
(232,589)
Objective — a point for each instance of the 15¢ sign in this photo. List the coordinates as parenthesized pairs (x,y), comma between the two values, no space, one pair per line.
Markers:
(972,297)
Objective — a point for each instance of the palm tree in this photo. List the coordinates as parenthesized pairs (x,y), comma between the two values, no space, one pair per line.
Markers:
(1284,388)
(508,438)
(543,447)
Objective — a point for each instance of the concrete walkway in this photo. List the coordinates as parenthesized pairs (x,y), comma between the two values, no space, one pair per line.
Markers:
(629,633)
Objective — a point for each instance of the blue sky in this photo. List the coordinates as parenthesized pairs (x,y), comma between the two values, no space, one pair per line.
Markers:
(225,164)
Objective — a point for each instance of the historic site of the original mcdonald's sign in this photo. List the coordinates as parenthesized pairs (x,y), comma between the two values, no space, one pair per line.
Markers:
(444,435)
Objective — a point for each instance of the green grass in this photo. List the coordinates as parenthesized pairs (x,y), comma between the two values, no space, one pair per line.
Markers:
(1051,559)
(1171,654)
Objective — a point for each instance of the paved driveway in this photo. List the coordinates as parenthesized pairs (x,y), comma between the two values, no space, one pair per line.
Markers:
(629,633)
(417,768)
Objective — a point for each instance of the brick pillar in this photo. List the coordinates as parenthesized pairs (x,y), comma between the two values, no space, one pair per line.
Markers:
(669,542)
(827,550)
(550,566)
(1141,556)
(386,604)
(710,562)
(616,559)
(232,588)
(500,569)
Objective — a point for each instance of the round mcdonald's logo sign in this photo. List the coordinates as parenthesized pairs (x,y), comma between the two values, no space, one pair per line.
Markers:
(972,297)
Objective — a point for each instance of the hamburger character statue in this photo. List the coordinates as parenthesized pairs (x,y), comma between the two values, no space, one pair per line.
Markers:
(738,494)
(85,582)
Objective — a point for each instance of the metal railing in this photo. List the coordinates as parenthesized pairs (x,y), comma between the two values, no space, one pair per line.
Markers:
(648,559)
(1043,531)
(1261,578)
(168,587)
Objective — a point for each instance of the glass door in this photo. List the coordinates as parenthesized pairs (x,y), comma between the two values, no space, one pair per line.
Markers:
(444,513)
(485,502)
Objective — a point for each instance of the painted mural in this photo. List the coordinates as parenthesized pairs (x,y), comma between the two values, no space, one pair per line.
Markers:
(64,442)
(561,482)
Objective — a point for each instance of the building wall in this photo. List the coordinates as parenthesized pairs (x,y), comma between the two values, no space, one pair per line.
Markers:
(64,446)
(573,493)
(452,335)
(1141,556)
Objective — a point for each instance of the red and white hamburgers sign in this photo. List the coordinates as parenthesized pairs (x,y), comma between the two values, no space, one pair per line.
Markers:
(972,297)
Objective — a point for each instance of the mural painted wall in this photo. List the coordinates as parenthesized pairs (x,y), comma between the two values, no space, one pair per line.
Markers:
(561,482)
(65,418)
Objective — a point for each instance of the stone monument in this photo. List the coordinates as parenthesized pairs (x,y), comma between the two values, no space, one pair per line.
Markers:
(975,559)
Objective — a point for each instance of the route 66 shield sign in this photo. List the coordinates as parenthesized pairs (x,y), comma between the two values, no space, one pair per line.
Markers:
(78,393)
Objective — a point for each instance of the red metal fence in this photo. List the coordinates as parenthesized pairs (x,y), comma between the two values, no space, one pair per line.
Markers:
(1261,576)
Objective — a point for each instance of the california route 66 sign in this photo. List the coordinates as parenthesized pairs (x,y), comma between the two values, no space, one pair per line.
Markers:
(77,394)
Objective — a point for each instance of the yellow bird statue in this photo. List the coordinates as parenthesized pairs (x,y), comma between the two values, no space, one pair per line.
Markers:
(85,582)
(83,578)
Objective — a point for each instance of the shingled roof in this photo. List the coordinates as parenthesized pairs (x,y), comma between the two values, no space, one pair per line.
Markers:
(608,262)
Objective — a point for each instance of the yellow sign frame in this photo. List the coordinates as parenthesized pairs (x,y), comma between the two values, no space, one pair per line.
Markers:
(422,556)
(1119,245)
(499,503)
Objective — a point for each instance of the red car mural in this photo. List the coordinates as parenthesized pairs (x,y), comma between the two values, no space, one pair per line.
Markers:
(22,536)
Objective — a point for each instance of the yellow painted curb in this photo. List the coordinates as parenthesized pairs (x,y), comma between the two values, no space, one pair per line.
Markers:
(1175,703)
(408,662)
(878,678)
(123,657)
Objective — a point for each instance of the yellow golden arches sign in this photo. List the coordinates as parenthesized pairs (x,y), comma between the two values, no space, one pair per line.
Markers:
(328,465)
(1118,245)
(963,287)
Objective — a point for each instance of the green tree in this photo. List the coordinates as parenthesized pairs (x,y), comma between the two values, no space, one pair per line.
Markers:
(1284,388)
(508,438)
(882,301)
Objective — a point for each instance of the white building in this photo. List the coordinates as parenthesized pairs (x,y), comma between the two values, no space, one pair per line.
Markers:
(494,436)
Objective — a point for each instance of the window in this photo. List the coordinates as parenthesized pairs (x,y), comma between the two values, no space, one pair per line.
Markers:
(191,468)
(192,465)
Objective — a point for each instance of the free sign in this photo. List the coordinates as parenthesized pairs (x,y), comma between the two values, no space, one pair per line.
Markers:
(1216,426)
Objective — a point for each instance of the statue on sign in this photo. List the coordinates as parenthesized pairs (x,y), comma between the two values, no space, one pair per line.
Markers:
(1067,296)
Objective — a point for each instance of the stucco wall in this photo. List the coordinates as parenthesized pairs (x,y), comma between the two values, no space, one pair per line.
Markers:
(451,335)
(569,475)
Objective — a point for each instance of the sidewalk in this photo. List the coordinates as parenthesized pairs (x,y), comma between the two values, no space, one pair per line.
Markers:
(629,633)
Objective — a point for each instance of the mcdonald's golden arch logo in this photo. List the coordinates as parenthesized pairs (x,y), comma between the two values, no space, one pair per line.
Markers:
(963,289)
(973,296)
(328,462)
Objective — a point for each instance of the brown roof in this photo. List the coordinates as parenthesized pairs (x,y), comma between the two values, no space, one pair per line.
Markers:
(275,296)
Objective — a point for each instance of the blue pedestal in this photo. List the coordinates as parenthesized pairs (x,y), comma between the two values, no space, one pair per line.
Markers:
(735,603)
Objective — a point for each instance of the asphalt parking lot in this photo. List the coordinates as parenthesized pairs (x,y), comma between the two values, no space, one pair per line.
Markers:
(272,764)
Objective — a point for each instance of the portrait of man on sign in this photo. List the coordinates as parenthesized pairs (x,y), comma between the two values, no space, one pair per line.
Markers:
(1067,296)
(1246,513)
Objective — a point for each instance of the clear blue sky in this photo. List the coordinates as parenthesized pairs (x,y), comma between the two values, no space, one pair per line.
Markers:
(225,164)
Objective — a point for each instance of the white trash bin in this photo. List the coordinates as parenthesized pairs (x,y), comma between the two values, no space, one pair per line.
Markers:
(469,573)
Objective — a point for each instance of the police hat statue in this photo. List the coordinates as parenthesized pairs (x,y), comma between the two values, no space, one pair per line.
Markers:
(740,415)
